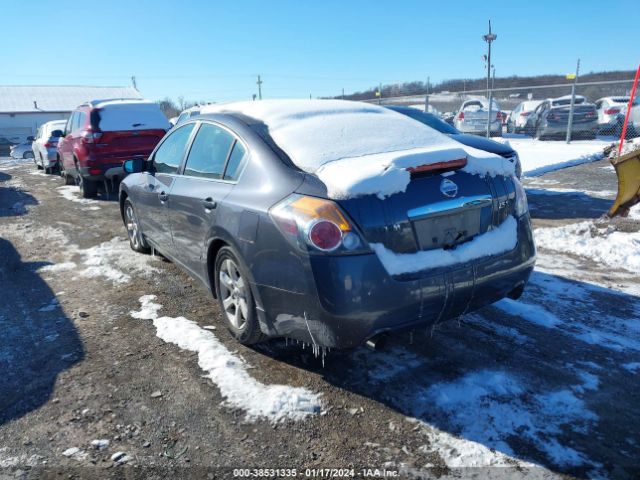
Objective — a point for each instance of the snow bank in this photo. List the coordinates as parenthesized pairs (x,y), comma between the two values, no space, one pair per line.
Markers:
(620,250)
(271,402)
(538,157)
(532,313)
(131,115)
(72,192)
(356,148)
(499,240)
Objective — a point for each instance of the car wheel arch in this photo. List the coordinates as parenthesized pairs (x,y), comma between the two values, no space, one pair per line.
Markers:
(218,240)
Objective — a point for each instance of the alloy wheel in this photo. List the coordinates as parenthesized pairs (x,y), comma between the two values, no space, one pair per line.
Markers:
(233,293)
(132,226)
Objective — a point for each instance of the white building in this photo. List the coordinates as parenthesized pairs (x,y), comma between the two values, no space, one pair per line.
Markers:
(24,108)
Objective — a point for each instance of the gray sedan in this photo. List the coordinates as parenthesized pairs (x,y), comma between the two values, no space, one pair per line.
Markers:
(220,197)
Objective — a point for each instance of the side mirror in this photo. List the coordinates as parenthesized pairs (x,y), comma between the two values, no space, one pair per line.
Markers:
(135,165)
(57,133)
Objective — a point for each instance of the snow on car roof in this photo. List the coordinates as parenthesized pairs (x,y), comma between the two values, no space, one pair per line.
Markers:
(357,148)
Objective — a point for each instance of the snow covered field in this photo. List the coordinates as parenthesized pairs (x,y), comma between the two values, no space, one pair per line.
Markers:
(538,157)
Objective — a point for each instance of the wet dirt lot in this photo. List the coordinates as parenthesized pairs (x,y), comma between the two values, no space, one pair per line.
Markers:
(546,386)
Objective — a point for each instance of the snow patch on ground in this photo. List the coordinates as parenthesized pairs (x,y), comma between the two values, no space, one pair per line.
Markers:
(620,250)
(57,267)
(499,240)
(72,193)
(115,261)
(489,405)
(538,157)
(274,403)
(532,313)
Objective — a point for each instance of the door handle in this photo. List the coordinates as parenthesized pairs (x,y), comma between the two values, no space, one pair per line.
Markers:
(163,196)
(209,203)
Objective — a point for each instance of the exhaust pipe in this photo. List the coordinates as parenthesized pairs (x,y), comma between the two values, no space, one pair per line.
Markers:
(377,342)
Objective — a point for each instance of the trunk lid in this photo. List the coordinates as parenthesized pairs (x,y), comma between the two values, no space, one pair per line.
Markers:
(436,211)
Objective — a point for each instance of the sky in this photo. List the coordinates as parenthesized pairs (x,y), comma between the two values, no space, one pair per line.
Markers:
(214,50)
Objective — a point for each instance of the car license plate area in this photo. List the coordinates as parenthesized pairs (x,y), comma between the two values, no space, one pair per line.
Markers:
(445,230)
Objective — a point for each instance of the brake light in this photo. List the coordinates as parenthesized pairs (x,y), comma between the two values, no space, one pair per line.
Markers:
(450,165)
(49,145)
(316,224)
(499,115)
(461,116)
(525,114)
(612,111)
(88,136)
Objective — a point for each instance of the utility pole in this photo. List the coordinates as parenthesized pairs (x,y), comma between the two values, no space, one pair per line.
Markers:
(573,100)
(343,94)
(133,82)
(426,98)
(259,83)
(380,94)
(489,37)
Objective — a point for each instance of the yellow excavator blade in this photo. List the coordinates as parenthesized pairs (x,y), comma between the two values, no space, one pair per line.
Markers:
(627,168)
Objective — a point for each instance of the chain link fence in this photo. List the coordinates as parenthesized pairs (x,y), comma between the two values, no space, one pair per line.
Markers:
(540,111)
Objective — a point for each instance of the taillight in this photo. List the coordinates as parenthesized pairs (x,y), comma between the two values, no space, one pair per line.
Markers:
(49,145)
(525,114)
(90,137)
(316,225)
(461,116)
(499,116)
(612,111)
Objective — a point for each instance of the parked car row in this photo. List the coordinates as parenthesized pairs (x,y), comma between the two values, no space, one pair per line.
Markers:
(90,147)
(546,119)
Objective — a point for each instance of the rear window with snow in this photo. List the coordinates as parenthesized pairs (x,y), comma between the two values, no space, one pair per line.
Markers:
(356,148)
(129,115)
(313,133)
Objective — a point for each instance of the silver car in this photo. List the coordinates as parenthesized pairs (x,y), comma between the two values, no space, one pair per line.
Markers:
(472,117)
(611,112)
(45,145)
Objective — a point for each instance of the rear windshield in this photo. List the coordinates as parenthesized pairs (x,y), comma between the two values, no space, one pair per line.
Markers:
(477,106)
(567,101)
(429,120)
(624,101)
(129,116)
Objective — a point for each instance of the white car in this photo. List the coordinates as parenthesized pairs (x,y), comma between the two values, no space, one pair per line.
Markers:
(45,145)
(22,149)
(517,120)
(473,114)
(611,111)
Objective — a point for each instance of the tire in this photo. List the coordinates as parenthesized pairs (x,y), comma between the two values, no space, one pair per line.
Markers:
(136,239)
(88,188)
(48,170)
(233,291)
(68,179)
(26,155)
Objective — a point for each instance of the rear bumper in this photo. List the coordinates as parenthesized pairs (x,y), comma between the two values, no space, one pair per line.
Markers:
(356,299)
(100,169)
(576,130)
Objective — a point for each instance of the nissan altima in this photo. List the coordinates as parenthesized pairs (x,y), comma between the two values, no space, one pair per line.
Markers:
(330,222)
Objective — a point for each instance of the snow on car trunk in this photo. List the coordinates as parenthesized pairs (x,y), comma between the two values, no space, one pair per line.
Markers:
(359,149)
(274,403)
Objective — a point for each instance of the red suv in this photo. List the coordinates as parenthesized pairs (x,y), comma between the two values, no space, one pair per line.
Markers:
(102,134)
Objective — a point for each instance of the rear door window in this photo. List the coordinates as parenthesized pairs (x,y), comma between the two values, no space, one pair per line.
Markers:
(209,152)
(169,155)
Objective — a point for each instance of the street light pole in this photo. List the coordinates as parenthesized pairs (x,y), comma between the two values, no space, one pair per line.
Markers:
(489,37)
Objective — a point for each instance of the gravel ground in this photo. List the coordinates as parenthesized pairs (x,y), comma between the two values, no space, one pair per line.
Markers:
(545,387)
